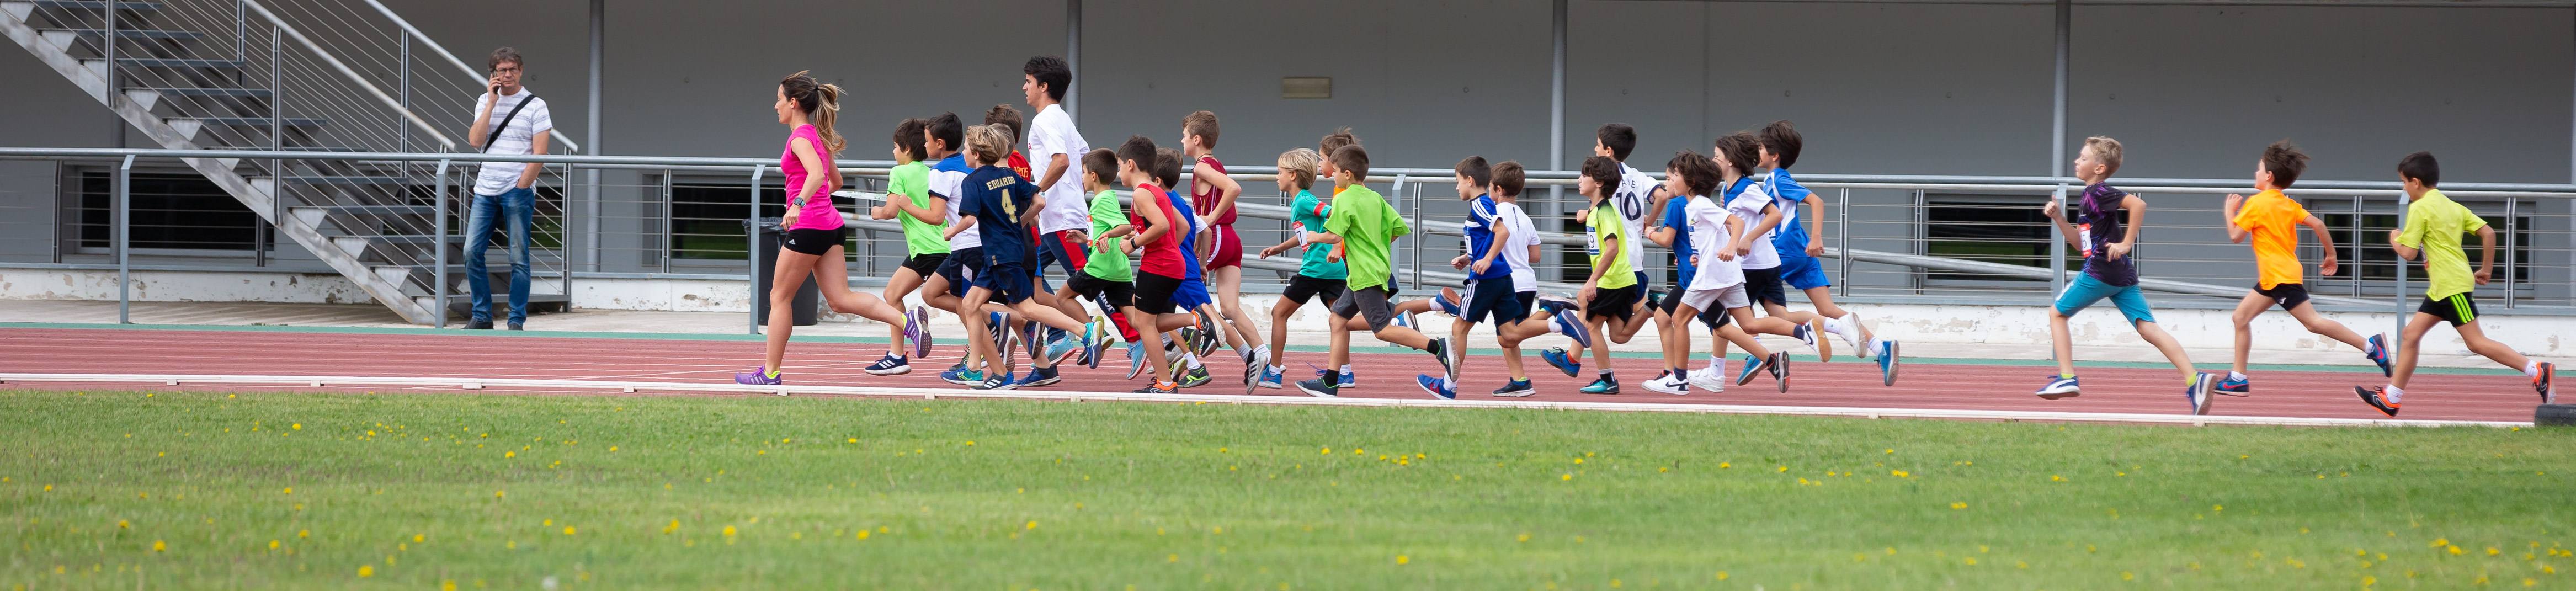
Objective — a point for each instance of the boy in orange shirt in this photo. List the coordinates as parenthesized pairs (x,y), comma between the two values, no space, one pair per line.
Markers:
(2273,221)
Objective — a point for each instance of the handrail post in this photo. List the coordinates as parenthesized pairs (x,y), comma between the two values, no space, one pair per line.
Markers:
(402,88)
(2512,228)
(439,245)
(751,247)
(107,46)
(2398,347)
(1843,226)
(2057,246)
(124,239)
(1415,248)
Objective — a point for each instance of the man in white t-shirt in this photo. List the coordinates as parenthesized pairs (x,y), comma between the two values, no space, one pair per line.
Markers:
(508,119)
(1055,154)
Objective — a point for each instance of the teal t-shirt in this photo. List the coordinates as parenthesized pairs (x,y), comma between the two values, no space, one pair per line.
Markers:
(1311,212)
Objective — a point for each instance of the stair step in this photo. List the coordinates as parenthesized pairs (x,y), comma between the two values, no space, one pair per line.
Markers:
(421,210)
(133,33)
(257,122)
(163,62)
(232,92)
(95,5)
(344,180)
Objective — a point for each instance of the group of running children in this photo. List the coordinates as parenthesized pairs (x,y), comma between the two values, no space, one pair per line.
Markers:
(982,221)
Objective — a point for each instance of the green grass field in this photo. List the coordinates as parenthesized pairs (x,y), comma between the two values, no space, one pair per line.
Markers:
(210,490)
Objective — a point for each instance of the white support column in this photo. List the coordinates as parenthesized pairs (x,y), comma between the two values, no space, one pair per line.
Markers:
(1556,124)
(1073,55)
(2057,148)
(590,139)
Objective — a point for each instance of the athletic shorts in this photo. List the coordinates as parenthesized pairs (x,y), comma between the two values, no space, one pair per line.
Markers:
(1154,294)
(1229,247)
(1723,298)
(1762,286)
(960,268)
(925,264)
(1673,301)
(1115,294)
(1009,283)
(1641,282)
(1494,298)
(1302,289)
(1613,303)
(1192,294)
(2288,295)
(2456,309)
(1803,272)
(1367,302)
(2085,291)
(1059,247)
(814,241)
(1528,300)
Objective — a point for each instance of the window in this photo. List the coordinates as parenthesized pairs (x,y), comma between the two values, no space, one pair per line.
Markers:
(1987,228)
(169,211)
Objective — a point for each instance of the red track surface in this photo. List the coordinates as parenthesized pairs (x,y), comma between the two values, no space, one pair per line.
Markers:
(2499,396)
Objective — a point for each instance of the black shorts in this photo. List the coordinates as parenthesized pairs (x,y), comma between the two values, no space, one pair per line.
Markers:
(956,267)
(1528,300)
(925,264)
(814,241)
(1115,294)
(1369,303)
(1154,294)
(1613,303)
(2456,309)
(1495,298)
(2288,295)
(1713,317)
(1010,284)
(1303,289)
(1763,286)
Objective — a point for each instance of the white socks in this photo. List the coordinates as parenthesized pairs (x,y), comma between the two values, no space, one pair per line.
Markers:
(2530,369)
(2233,375)
(2392,393)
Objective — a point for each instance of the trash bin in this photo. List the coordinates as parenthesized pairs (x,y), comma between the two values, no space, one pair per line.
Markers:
(809,297)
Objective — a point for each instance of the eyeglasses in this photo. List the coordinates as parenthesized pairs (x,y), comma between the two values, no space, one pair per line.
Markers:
(511,69)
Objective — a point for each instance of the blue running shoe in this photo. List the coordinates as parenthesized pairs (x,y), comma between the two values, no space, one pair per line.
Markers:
(1099,342)
(890,365)
(1135,360)
(1447,302)
(2059,386)
(1601,385)
(1272,378)
(1029,332)
(1042,376)
(1887,362)
(1344,380)
(997,328)
(759,376)
(1404,319)
(2378,353)
(1061,348)
(1752,365)
(1567,323)
(2235,386)
(1556,356)
(962,376)
(2198,392)
(1516,389)
(919,318)
(999,382)
(1432,385)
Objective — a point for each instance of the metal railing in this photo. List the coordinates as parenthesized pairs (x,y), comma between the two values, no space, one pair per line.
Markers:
(682,218)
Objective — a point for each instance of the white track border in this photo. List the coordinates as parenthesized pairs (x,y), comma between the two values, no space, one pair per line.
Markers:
(468,383)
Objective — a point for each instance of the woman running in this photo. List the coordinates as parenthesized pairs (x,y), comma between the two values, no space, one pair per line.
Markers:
(814,227)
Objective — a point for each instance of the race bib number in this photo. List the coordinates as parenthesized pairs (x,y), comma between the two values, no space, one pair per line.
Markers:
(2084,236)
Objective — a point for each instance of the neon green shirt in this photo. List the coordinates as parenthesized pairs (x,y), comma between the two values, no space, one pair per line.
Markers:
(1368,227)
(913,180)
(2434,223)
(1605,223)
(1108,263)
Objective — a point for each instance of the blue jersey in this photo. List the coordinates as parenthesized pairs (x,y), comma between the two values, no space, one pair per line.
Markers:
(1679,222)
(1482,218)
(996,197)
(1790,238)
(1189,238)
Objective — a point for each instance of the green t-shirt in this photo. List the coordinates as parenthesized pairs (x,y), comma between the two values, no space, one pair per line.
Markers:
(1108,263)
(1606,224)
(2434,224)
(913,180)
(1312,212)
(1368,227)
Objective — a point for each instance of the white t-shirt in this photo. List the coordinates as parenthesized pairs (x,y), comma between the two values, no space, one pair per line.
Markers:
(519,137)
(1523,236)
(1636,193)
(946,178)
(1748,206)
(1052,133)
(1708,236)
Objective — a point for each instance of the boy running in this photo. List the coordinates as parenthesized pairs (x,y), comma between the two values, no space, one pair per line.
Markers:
(1799,244)
(909,202)
(2434,224)
(1366,228)
(1001,203)
(1516,240)
(1155,241)
(2105,231)
(1213,194)
(1614,295)
(2272,220)
(1318,275)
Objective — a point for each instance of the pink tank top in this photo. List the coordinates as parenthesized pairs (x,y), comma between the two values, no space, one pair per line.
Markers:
(1203,195)
(816,213)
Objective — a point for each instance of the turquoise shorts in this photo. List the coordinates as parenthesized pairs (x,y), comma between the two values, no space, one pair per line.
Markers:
(2086,290)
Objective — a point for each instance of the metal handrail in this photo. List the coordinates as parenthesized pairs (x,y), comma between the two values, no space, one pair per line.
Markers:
(470,75)
(352,75)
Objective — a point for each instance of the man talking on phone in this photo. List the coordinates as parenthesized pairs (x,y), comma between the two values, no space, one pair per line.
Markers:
(508,119)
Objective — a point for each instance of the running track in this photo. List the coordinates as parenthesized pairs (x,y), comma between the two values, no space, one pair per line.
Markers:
(2496,396)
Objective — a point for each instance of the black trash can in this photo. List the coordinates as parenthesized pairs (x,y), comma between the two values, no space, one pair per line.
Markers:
(809,297)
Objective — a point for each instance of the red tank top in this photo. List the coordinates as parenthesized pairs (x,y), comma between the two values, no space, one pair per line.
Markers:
(1203,195)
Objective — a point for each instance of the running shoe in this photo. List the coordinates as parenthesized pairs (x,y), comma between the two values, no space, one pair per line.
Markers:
(2235,386)
(1448,302)
(1807,336)
(1135,360)
(1255,367)
(1345,379)
(759,376)
(1440,350)
(1197,376)
(1516,389)
(1319,388)
(2199,393)
(997,328)
(2548,393)
(1272,378)
(1031,336)
(1187,338)
(1555,356)
(1752,365)
(1555,303)
(1404,319)
(2059,386)
(1823,341)
(1887,362)
(1601,385)
(1711,378)
(1669,383)
(916,330)
(1061,348)
(1041,376)
(1159,388)
(1208,337)
(999,382)
(1434,386)
(962,376)
(2376,397)
(890,366)
(1780,369)
(1851,331)
(1570,324)
(2379,354)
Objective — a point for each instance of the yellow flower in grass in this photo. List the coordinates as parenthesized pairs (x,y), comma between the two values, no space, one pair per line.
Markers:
(157,546)
(1959,505)
(1402,559)
(365,571)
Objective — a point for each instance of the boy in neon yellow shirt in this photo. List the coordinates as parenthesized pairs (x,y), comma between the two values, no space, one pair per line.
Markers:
(2434,224)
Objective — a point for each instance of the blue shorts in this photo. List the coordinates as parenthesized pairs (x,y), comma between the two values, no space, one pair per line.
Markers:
(1493,298)
(1010,283)
(1192,294)
(2086,290)
(1803,272)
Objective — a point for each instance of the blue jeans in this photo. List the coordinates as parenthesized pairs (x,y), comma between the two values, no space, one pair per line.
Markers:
(520,206)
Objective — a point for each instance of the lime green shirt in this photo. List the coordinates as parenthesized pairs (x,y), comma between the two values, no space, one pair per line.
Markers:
(2434,224)
(913,180)
(1605,223)
(1368,227)
(1108,263)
